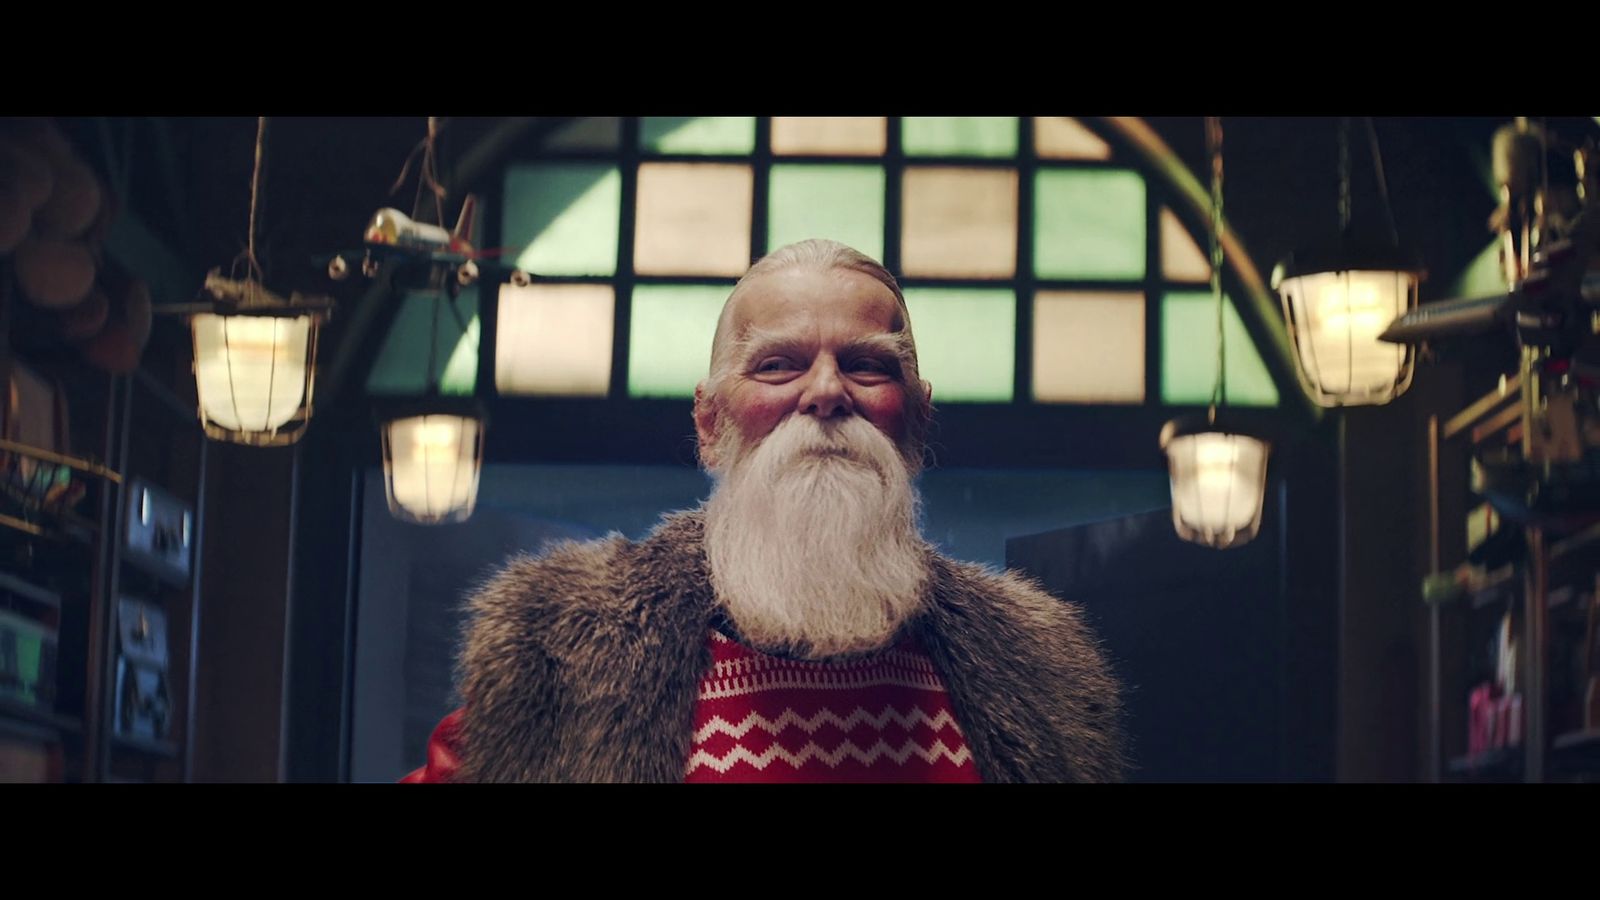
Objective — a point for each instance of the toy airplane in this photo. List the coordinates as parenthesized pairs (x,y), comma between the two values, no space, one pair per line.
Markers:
(1452,318)
(393,234)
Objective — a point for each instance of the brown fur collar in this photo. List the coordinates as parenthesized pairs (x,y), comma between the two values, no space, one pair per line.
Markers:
(584,664)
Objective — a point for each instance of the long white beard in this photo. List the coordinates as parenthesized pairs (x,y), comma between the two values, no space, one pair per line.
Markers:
(812,537)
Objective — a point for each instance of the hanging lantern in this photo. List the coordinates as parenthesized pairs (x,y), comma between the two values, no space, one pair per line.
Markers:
(432,457)
(255,353)
(255,362)
(1338,298)
(1336,301)
(1217,459)
(1219,479)
(432,444)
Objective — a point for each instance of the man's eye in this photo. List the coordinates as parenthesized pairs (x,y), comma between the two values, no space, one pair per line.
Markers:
(870,366)
(775,364)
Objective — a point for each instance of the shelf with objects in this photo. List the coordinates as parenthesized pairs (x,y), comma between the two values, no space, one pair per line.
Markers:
(86,427)
(98,606)
(155,584)
(1514,676)
(55,494)
(1513,681)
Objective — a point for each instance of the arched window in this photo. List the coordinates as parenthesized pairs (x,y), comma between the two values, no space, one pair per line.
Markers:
(1042,265)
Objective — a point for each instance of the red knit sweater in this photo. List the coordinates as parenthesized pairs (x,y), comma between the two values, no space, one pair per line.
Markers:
(884,717)
(881,718)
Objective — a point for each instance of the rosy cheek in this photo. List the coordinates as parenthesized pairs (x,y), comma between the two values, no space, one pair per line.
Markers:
(885,407)
(759,412)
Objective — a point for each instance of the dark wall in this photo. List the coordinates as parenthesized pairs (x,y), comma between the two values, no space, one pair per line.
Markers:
(1194,635)
(244,615)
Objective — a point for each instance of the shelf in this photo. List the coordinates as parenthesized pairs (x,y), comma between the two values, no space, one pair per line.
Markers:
(75,529)
(1577,541)
(28,731)
(145,745)
(62,517)
(1561,596)
(1494,586)
(37,503)
(1508,390)
(1576,753)
(1549,542)
(1498,422)
(29,591)
(1504,763)
(13,714)
(152,571)
(1586,740)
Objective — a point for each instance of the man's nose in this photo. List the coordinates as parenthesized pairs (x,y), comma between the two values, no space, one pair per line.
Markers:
(825,395)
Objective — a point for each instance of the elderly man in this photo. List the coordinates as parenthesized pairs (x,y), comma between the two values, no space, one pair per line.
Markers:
(796,627)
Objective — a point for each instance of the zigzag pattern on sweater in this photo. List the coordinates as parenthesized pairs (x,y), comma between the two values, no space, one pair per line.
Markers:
(832,758)
(825,717)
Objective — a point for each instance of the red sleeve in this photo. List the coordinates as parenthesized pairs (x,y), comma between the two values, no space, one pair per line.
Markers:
(444,753)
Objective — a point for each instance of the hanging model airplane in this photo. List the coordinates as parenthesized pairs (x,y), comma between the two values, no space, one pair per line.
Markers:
(1545,469)
(392,234)
(1548,227)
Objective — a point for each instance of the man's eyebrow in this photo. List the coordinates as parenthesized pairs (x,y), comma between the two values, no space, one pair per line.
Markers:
(760,343)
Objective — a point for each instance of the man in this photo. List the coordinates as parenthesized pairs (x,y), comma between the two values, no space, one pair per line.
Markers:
(796,627)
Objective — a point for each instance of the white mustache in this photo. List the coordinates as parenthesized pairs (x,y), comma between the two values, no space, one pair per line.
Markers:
(799,437)
(812,537)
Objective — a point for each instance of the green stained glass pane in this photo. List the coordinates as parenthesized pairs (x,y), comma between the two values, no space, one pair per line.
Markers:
(959,135)
(1482,276)
(1089,223)
(698,134)
(1189,354)
(26,655)
(563,218)
(966,342)
(844,203)
(669,338)
(402,364)
(461,369)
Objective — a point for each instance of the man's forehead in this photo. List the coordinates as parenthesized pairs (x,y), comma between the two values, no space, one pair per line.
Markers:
(798,297)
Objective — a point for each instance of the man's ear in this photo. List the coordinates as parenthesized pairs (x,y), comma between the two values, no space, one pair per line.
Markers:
(927,392)
(705,425)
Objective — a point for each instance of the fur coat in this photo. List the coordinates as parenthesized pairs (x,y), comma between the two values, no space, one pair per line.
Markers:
(584,664)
